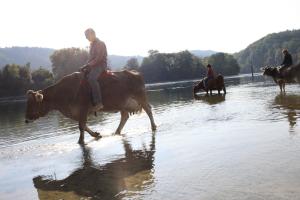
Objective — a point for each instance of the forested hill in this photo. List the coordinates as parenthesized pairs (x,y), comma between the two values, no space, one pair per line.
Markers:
(22,55)
(267,50)
(40,57)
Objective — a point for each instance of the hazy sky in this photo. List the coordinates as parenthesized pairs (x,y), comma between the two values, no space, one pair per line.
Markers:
(132,27)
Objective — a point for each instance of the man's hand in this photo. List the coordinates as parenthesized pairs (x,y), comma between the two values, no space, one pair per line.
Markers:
(84,68)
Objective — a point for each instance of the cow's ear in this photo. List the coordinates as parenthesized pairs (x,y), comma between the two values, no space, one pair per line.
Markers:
(29,92)
(39,97)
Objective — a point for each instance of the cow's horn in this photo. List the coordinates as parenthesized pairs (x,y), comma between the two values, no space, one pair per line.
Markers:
(29,92)
(39,97)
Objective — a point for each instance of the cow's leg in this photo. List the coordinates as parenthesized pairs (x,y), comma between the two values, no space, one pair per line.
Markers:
(148,110)
(124,118)
(224,89)
(81,129)
(82,123)
(283,85)
(280,85)
(219,92)
(92,133)
(210,92)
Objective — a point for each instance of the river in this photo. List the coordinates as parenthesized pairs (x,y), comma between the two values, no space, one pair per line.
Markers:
(242,145)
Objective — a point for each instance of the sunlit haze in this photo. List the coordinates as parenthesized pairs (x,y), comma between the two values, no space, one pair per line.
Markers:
(133,27)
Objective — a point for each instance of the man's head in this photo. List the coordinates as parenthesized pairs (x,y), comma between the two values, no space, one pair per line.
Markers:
(90,34)
(284,51)
(208,66)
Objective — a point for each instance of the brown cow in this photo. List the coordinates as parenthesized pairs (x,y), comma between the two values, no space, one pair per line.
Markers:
(122,91)
(290,75)
(214,84)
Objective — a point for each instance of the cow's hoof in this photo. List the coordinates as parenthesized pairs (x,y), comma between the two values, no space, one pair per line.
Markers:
(154,127)
(117,133)
(96,135)
(81,142)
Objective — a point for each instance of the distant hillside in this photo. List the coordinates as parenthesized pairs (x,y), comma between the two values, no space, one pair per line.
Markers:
(40,57)
(22,55)
(267,50)
(202,53)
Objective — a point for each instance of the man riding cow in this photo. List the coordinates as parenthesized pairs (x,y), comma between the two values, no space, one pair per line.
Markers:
(287,61)
(210,75)
(96,64)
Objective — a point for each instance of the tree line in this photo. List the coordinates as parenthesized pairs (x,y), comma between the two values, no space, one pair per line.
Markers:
(162,67)
(15,80)
(156,67)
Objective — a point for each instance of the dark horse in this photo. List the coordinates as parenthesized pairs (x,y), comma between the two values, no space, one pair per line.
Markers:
(213,84)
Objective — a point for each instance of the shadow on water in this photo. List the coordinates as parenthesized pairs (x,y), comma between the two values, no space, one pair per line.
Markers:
(211,99)
(114,180)
(290,104)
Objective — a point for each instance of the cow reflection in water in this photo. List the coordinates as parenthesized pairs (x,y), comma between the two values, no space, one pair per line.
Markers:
(291,106)
(211,99)
(110,181)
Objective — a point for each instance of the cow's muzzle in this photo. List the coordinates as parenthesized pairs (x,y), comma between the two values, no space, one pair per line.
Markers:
(28,121)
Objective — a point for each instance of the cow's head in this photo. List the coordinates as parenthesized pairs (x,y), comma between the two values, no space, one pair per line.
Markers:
(269,71)
(33,108)
(199,87)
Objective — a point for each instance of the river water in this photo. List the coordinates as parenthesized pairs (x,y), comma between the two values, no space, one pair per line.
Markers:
(244,145)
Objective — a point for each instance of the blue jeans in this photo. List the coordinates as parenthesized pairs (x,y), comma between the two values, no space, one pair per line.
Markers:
(93,81)
(206,81)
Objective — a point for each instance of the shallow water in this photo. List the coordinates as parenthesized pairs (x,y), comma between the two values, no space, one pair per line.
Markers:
(244,145)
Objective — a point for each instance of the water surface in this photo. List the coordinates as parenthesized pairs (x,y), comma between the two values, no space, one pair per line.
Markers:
(242,145)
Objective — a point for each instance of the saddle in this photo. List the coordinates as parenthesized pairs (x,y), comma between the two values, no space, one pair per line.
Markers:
(104,75)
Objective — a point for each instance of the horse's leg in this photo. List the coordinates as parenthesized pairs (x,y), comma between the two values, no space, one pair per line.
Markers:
(148,110)
(124,118)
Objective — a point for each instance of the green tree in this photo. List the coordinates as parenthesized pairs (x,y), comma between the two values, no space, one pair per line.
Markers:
(132,64)
(42,78)
(159,67)
(15,80)
(224,64)
(66,61)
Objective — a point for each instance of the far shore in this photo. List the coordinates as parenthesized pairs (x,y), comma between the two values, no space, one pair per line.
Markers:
(14,99)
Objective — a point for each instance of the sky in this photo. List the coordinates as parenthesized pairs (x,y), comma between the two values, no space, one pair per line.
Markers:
(132,27)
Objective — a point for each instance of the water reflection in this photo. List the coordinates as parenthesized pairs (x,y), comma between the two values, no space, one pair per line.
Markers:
(120,178)
(290,105)
(211,99)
